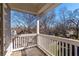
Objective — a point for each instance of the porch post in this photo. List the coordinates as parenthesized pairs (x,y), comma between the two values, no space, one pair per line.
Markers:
(37,26)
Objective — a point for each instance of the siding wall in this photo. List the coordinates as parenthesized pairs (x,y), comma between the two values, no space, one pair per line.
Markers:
(1,30)
(4,28)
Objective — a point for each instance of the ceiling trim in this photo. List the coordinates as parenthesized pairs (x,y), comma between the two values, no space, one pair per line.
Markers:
(50,7)
(47,7)
(43,8)
(24,11)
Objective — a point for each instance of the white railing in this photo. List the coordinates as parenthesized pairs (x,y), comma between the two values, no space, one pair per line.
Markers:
(58,46)
(24,40)
(51,45)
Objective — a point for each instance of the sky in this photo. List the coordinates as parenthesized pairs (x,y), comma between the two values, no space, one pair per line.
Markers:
(68,6)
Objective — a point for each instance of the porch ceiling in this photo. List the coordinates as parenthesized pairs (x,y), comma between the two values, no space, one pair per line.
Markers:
(34,8)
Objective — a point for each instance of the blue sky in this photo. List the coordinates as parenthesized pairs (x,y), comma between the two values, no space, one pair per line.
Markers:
(69,6)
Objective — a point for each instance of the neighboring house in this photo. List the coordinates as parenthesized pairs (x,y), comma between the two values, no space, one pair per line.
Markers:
(71,33)
(13,32)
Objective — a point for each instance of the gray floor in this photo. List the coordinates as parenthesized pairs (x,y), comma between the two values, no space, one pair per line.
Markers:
(34,51)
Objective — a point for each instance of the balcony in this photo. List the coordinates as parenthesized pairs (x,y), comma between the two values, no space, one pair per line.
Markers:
(43,45)
(37,44)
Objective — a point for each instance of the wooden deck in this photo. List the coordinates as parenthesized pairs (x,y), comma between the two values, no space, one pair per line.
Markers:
(33,51)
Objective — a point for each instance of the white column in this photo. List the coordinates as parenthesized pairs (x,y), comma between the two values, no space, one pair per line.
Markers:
(37,26)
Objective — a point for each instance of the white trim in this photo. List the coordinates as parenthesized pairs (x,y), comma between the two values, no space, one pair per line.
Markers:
(43,8)
(37,26)
(9,50)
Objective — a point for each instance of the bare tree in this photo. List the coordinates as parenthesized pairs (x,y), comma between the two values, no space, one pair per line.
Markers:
(24,21)
(45,22)
(69,20)
(74,22)
(61,26)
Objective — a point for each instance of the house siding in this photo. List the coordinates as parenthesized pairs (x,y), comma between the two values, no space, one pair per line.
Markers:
(4,29)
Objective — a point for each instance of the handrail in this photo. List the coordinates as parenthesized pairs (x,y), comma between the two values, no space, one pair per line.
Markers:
(58,46)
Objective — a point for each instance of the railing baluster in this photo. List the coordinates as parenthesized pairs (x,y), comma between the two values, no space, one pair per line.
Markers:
(53,47)
(62,48)
(22,41)
(66,49)
(56,47)
(27,41)
(70,50)
(17,42)
(13,43)
(59,48)
(49,45)
(75,50)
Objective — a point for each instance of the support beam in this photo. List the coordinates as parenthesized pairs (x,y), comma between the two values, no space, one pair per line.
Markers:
(37,26)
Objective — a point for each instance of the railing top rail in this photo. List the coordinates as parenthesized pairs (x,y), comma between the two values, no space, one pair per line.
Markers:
(23,35)
(27,34)
(67,40)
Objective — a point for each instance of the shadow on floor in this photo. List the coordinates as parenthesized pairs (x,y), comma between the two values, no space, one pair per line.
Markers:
(34,51)
(23,52)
